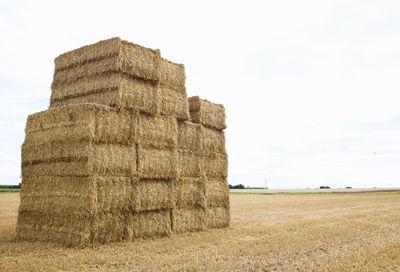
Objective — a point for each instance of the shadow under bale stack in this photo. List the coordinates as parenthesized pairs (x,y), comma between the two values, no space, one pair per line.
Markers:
(121,153)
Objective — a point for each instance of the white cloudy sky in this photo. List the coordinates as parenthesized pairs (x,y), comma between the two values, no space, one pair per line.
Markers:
(311,88)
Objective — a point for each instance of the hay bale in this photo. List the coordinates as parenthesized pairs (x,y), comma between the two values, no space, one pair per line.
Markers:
(89,160)
(193,136)
(108,55)
(109,227)
(81,122)
(157,163)
(157,132)
(70,229)
(88,53)
(113,89)
(189,163)
(134,59)
(212,140)
(215,165)
(148,224)
(58,194)
(216,193)
(189,136)
(149,195)
(189,192)
(172,75)
(188,220)
(207,113)
(173,103)
(123,75)
(217,217)
(52,234)
(113,194)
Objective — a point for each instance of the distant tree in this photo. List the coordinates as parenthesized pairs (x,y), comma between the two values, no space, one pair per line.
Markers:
(324,187)
(238,186)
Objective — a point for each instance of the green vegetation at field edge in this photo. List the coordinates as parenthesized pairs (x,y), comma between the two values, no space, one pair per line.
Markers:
(316,193)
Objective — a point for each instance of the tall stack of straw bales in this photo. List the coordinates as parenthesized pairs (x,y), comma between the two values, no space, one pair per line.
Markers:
(122,153)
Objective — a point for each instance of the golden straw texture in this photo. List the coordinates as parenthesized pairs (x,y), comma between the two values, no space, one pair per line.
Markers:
(207,113)
(118,155)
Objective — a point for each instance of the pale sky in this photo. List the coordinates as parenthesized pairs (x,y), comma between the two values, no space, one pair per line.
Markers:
(311,88)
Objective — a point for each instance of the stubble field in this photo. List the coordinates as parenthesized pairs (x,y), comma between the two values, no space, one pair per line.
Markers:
(329,232)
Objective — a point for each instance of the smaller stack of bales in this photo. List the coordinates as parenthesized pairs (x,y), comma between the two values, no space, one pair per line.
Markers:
(209,118)
(118,155)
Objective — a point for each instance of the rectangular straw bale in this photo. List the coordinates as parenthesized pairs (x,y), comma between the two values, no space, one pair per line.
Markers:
(157,132)
(173,102)
(109,55)
(73,122)
(189,163)
(106,160)
(52,234)
(148,224)
(215,165)
(189,136)
(157,163)
(172,75)
(109,227)
(116,127)
(112,89)
(217,217)
(70,229)
(55,151)
(148,195)
(113,194)
(58,194)
(188,220)
(81,122)
(213,140)
(101,49)
(217,193)
(88,69)
(207,113)
(189,192)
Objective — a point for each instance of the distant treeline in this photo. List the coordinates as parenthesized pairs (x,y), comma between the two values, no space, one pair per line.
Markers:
(238,186)
(10,186)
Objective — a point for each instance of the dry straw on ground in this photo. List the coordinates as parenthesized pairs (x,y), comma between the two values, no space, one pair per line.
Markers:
(303,232)
(115,158)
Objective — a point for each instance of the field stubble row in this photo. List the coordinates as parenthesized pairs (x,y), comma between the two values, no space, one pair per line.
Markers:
(338,232)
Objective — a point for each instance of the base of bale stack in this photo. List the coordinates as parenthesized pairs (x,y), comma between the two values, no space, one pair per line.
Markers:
(217,217)
(216,193)
(188,220)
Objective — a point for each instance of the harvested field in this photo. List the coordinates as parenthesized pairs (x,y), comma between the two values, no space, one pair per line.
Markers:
(305,232)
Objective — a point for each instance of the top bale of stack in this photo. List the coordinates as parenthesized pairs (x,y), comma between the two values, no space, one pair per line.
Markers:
(207,113)
(120,74)
(130,58)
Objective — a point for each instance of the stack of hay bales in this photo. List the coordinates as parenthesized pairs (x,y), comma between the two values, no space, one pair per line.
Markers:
(120,154)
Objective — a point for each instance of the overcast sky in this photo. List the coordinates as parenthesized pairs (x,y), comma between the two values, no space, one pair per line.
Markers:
(311,88)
